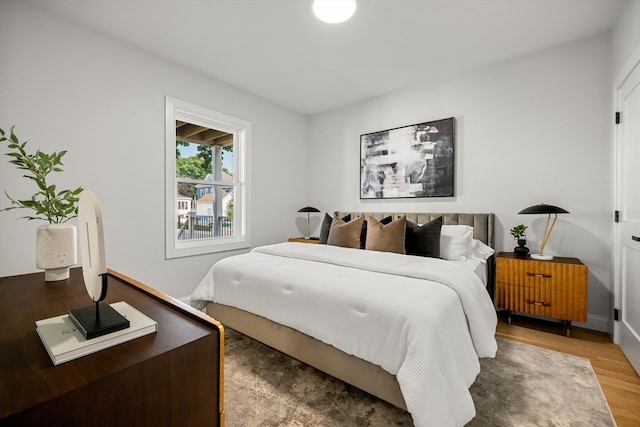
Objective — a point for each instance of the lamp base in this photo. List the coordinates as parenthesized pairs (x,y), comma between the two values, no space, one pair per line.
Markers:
(542,257)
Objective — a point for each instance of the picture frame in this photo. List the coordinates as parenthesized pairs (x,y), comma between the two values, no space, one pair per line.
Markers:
(412,161)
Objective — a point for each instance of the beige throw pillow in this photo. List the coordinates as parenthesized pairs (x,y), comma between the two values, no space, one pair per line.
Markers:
(345,234)
(386,238)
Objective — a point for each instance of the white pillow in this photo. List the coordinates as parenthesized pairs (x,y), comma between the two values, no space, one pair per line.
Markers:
(455,242)
(479,251)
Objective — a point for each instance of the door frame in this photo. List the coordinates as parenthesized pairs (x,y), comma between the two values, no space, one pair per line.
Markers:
(625,72)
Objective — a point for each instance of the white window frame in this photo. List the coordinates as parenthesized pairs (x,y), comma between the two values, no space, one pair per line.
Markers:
(176,109)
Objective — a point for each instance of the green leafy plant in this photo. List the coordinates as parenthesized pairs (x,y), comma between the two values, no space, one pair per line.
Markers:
(519,231)
(49,204)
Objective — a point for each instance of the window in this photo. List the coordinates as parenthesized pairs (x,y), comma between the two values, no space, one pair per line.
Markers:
(206,180)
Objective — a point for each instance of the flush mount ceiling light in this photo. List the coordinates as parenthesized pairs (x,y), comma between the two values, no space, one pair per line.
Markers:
(334,11)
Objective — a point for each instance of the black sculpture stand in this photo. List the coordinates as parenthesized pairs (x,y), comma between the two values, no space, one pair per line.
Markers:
(98,320)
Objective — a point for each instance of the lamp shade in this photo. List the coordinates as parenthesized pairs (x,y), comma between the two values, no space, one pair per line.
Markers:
(308,209)
(548,210)
(543,209)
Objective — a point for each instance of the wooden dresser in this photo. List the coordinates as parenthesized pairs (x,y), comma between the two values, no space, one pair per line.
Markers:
(556,288)
(169,378)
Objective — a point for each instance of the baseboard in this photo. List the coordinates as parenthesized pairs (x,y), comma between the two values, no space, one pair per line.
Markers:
(596,323)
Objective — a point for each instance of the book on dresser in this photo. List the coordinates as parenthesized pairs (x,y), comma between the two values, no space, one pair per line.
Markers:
(64,341)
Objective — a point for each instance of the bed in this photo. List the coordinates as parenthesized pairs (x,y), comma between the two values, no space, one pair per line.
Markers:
(407,329)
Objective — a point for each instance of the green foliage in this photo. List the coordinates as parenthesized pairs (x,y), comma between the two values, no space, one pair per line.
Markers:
(519,231)
(204,152)
(229,211)
(49,204)
(196,167)
(187,190)
(192,167)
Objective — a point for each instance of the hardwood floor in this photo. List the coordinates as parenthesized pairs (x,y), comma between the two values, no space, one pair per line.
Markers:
(619,382)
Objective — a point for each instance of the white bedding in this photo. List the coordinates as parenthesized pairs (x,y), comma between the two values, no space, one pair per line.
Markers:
(477,266)
(424,320)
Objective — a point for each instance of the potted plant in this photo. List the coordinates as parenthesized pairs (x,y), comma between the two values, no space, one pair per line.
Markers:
(519,233)
(56,248)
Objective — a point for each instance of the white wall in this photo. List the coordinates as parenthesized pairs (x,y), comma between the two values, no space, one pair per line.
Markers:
(67,87)
(533,129)
(625,36)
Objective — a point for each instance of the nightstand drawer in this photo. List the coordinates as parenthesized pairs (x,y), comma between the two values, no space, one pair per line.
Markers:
(542,276)
(539,301)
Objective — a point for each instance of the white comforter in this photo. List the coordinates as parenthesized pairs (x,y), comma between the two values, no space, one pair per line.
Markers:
(424,320)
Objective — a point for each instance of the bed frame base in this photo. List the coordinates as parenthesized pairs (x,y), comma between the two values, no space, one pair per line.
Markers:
(350,369)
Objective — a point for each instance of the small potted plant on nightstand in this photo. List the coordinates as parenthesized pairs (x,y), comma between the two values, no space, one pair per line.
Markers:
(56,241)
(519,233)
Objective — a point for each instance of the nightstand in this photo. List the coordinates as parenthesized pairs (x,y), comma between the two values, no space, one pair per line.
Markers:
(312,240)
(557,288)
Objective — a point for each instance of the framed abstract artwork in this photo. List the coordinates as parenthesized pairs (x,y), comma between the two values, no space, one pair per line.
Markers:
(408,162)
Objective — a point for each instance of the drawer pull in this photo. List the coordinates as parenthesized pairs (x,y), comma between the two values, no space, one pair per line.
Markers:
(544,276)
(635,238)
(538,303)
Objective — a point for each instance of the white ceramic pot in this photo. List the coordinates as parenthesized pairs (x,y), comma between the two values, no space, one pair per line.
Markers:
(56,250)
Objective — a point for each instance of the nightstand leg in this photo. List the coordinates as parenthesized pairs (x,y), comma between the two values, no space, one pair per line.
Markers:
(509,317)
(567,324)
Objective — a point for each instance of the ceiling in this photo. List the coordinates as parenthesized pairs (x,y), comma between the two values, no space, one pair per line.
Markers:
(278,50)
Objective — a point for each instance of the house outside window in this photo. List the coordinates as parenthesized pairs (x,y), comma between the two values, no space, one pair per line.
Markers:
(206,184)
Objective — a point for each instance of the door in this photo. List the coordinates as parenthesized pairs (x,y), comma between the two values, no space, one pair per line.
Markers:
(627,237)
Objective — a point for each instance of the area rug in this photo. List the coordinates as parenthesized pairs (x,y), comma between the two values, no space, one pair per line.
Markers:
(523,386)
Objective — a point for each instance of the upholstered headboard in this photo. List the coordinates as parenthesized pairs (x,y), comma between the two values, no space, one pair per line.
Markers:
(483,223)
(483,229)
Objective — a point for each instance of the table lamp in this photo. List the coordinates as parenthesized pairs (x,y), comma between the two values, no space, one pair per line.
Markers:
(308,209)
(549,210)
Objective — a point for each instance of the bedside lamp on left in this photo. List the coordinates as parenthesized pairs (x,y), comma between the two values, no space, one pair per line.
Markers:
(308,209)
